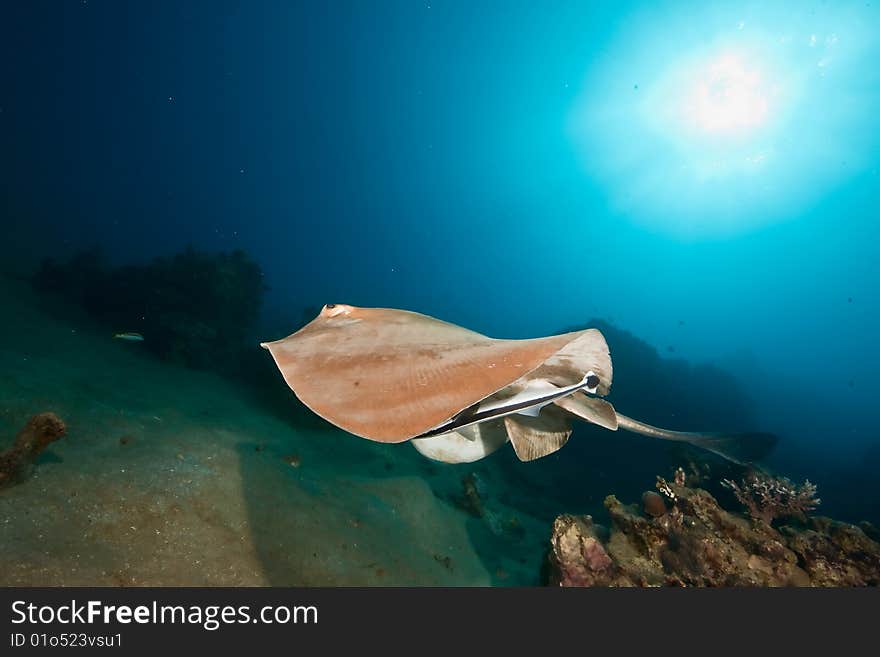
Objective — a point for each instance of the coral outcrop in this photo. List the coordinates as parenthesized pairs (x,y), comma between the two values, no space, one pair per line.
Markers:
(16,463)
(697,543)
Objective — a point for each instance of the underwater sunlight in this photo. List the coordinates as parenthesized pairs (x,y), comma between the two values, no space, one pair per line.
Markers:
(726,97)
(713,122)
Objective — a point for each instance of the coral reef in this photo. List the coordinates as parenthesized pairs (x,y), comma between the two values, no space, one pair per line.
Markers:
(193,308)
(768,498)
(16,463)
(697,543)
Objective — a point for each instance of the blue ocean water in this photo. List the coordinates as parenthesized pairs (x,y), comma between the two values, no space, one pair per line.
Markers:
(703,177)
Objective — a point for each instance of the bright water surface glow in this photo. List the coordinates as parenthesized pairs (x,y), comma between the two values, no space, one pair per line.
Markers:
(709,123)
(727,97)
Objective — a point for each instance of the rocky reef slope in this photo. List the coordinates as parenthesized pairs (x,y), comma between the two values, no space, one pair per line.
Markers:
(694,542)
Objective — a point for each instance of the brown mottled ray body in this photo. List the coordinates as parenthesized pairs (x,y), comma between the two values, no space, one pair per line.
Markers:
(393,375)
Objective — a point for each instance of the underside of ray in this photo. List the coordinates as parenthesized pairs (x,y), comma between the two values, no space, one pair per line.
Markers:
(464,445)
(534,437)
(391,375)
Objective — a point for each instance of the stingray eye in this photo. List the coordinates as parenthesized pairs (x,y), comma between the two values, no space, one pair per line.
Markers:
(592,381)
(334,309)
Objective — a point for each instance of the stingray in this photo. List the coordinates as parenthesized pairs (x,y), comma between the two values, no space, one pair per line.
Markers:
(393,376)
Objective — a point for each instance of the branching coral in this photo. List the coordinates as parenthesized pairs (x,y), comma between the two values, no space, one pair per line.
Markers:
(697,543)
(769,497)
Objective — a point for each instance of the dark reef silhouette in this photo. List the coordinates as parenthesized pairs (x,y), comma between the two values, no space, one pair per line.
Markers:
(193,308)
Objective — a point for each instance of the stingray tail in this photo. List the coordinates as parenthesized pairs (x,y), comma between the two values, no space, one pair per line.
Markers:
(741,448)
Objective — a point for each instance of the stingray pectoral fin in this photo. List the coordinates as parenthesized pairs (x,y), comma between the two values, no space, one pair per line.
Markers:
(591,409)
(587,352)
(534,437)
(740,448)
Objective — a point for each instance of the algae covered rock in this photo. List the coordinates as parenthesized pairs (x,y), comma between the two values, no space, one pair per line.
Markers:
(16,463)
(697,543)
(577,556)
(835,553)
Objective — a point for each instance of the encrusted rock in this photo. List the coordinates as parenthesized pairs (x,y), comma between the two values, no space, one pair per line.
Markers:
(697,543)
(577,556)
(16,462)
(653,504)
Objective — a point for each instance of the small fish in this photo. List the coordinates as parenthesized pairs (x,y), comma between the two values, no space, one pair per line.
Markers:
(131,337)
